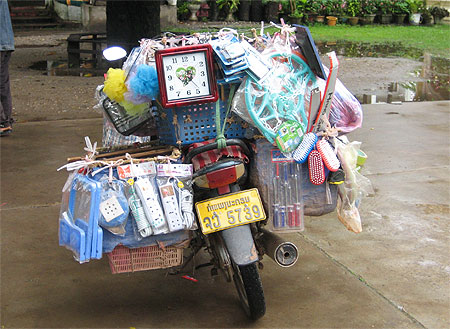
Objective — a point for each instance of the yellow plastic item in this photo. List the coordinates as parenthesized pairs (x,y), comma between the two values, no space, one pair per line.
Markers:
(115,84)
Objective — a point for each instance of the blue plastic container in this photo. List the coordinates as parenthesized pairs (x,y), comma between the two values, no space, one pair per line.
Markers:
(196,123)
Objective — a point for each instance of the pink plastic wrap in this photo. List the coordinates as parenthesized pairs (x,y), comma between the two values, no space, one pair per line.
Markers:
(346,111)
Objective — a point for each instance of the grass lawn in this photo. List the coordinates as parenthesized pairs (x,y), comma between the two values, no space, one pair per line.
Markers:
(435,39)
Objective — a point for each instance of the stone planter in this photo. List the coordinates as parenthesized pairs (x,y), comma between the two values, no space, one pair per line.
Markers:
(320,19)
(331,20)
(437,19)
(230,17)
(193,8)
(353,20)
(399,19)
(386,18)
(367,19)
(427,20)
(295,20)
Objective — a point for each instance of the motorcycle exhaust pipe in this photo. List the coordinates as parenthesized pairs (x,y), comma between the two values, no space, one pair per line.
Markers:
(284,253)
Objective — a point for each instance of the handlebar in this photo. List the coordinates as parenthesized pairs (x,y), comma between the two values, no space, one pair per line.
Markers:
(208,147)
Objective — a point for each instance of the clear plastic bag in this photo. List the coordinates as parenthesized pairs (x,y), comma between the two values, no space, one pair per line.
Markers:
(114,207)
(355,187)
(282,96)
(177,197)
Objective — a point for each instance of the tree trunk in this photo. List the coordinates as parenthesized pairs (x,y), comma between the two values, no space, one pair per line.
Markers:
(129,21)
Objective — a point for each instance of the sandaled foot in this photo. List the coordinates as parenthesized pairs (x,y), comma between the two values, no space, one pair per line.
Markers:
(5,130)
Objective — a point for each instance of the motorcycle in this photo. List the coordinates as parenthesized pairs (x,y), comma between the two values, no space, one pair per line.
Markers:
(236,242)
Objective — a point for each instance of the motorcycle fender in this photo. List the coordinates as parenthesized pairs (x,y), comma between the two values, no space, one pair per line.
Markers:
(240,244)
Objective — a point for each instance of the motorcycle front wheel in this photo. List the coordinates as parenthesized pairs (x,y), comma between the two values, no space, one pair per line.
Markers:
(249,287)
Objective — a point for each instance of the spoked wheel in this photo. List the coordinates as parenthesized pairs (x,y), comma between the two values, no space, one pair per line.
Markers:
(249,287)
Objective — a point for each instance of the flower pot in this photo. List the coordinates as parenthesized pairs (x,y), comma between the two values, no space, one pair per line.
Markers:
(172,2)
(331,20)
(353,20)
(230,17)
(437,19)
(343,19)
(386,19)
(370,18)
(320,19)
(399,19)
(295,20)
(193,8)
(427,20)
(415,19)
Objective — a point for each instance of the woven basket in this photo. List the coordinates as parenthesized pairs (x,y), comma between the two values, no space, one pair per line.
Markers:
(124,260)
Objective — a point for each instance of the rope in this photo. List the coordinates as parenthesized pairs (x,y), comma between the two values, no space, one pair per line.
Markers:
(220,128)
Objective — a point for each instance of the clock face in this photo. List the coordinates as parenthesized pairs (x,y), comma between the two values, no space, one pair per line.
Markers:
(186,75)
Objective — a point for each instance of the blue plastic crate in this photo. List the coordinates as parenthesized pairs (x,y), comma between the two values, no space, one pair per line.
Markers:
(196,123)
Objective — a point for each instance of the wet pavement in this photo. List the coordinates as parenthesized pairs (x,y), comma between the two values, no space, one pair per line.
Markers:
(394,274)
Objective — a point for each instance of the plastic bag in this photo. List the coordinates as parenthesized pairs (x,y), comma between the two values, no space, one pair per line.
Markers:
(114,208)
(279,100)
(177,197)
(129,173)
(354,188)
(346,111)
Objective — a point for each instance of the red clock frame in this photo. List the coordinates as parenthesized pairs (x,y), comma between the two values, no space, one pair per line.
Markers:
(213,95)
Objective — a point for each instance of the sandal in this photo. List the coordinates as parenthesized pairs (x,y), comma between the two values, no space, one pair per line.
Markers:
(5,130)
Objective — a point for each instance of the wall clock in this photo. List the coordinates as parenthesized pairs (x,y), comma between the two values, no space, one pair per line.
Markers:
(186,75)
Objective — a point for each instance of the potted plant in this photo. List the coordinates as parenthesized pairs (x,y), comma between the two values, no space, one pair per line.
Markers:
(342,16)
(400,9)
(353,10)
(194,6)
(427,16)
(230,6)
(312,8)
(439,13)
(384,8)
(298,9)
(368,11)
(415,6)
(183,12)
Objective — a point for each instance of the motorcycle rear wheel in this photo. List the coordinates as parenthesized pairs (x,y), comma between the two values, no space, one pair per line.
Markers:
(249,287)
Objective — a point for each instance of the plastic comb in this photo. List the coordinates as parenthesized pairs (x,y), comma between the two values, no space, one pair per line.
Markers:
(300,155)
(316,168)
(328,156)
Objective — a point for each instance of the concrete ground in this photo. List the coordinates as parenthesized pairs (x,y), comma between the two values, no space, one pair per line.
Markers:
(395,274)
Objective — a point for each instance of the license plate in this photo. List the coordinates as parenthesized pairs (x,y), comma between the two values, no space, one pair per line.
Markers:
(231,210)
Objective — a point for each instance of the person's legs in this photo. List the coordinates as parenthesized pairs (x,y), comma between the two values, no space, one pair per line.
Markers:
(6,119)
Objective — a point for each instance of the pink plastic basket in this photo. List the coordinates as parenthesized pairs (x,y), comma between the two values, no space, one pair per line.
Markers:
(124,260)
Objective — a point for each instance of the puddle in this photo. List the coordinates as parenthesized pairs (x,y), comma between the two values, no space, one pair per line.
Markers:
(434,72)
(363,49)
(60,68)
